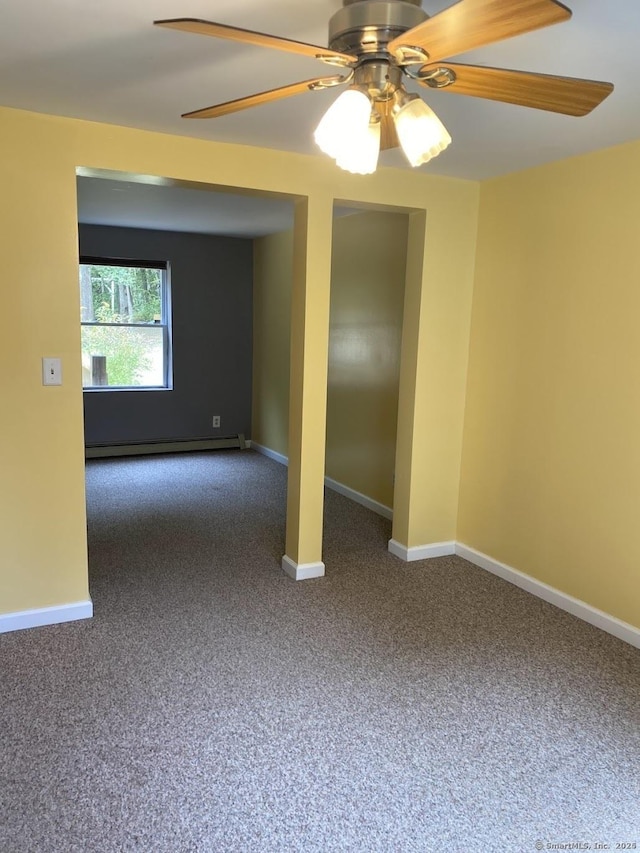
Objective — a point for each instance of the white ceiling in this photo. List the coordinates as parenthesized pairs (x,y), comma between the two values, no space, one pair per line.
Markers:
(106,62)
(199,211)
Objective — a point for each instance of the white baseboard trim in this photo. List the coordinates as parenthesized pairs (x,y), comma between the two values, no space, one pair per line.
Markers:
(359,498)
(421,552)
(621,630)
(267,451)
(45,616)
(334,485)
(302,571)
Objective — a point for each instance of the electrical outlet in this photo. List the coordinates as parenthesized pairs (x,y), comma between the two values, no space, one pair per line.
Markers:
(215,423)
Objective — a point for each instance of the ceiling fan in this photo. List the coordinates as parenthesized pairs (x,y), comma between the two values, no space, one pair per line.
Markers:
(376,43)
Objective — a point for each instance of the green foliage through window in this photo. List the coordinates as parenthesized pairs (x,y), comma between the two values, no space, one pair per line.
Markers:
(112,294)
(112,298)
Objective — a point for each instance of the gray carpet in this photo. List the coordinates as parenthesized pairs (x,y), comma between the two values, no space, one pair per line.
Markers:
(213,704)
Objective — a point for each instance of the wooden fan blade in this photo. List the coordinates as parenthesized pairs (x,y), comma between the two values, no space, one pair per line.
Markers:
(567,95)
(388,135)
(210,28)
(264,97)
(474,23)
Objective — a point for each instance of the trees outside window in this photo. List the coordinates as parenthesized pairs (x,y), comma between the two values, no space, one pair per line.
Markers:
(124,317)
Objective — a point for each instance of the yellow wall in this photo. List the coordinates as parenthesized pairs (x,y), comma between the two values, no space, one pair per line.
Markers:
(367,291)
(551,465)
(434,359)
(310,299)
(551,468)
(367,296)
(42,526)
(43,538)
(272,276)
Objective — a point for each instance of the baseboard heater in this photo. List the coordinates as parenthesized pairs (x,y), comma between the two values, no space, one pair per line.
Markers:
(100,451)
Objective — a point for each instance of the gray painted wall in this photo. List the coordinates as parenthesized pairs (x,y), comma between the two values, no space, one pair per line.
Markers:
(211,301)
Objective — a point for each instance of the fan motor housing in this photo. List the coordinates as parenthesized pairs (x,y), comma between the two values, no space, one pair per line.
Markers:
(365,27)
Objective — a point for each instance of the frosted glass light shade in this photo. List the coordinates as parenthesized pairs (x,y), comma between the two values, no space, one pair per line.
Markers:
(421,133)
(345,133)
(361,155)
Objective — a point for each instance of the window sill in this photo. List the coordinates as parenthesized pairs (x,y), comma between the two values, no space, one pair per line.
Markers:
(104,389)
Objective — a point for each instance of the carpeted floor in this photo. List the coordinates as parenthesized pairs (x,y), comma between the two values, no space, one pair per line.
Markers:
(213,704)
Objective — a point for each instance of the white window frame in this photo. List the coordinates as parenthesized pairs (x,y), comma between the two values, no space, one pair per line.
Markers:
(165,320)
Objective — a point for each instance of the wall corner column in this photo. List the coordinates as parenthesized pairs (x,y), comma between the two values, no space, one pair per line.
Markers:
(421,524)
(308,386)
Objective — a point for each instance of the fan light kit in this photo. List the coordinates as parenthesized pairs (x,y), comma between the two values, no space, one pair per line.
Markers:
(376,43)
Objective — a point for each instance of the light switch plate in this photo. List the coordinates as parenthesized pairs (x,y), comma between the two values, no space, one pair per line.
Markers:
(52,371)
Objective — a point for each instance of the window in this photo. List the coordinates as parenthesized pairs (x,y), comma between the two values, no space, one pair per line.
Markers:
(124,309)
